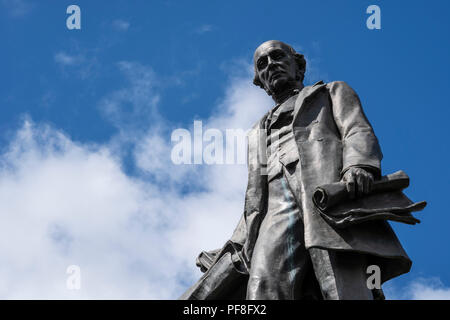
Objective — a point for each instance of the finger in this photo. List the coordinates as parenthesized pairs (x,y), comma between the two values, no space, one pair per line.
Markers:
(366,182)
(370,184)
(351,186)
(359,185)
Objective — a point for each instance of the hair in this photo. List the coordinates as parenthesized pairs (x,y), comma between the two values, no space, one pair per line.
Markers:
(299,59)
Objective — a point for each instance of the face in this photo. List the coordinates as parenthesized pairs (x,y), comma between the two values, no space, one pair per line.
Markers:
(275,66)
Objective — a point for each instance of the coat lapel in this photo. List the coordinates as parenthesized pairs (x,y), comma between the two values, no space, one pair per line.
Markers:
(303,97)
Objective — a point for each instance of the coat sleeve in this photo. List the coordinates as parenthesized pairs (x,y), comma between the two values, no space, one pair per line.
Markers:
(360,145)
(240,232)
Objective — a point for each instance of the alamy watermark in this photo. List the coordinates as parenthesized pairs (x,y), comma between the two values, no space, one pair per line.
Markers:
(374,280)
(74,20)
(73,281)
(210,146)
(374,20)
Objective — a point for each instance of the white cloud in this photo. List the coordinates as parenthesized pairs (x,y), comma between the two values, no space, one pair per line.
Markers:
(429,291)
(64,203)
(80,63)
(121,25)
(430,288)
(204,29)
(65,59)
(134,105)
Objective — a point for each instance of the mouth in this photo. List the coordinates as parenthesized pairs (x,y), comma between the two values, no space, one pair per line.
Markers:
(274,75)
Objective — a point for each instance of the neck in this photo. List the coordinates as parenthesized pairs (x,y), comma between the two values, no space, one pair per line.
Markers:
(288,92)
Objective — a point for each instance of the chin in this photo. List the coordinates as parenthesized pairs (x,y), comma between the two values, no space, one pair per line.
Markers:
(278,84)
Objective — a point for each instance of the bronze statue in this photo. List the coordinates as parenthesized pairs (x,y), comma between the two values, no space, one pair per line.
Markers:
(316,205)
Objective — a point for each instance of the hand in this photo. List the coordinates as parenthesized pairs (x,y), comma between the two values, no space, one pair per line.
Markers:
(359,181)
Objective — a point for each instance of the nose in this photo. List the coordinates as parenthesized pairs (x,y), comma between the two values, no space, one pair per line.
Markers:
(272,64)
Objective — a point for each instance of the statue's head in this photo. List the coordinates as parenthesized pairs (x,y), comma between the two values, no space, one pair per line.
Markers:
(278,67)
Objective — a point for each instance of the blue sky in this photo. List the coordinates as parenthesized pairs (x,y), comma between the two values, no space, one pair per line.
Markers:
(94,108)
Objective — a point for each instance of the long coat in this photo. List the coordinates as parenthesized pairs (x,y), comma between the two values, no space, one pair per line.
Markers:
(331,134)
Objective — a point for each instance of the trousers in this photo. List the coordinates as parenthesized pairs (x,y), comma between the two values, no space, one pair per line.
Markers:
(283,269)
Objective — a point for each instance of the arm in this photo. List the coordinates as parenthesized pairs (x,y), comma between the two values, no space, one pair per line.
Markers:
(361,151)
(253,201)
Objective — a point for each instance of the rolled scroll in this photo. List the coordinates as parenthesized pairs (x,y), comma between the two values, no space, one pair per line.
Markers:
(385,201)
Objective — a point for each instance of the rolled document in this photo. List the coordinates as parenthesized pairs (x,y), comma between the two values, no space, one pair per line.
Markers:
(331,194)
(385,201)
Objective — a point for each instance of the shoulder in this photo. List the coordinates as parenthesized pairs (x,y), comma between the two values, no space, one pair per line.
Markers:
(336,87)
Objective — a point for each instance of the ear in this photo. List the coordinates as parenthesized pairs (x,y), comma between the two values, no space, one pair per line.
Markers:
(301,62)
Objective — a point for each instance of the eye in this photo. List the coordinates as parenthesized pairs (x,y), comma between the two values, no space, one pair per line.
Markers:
(261,63)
